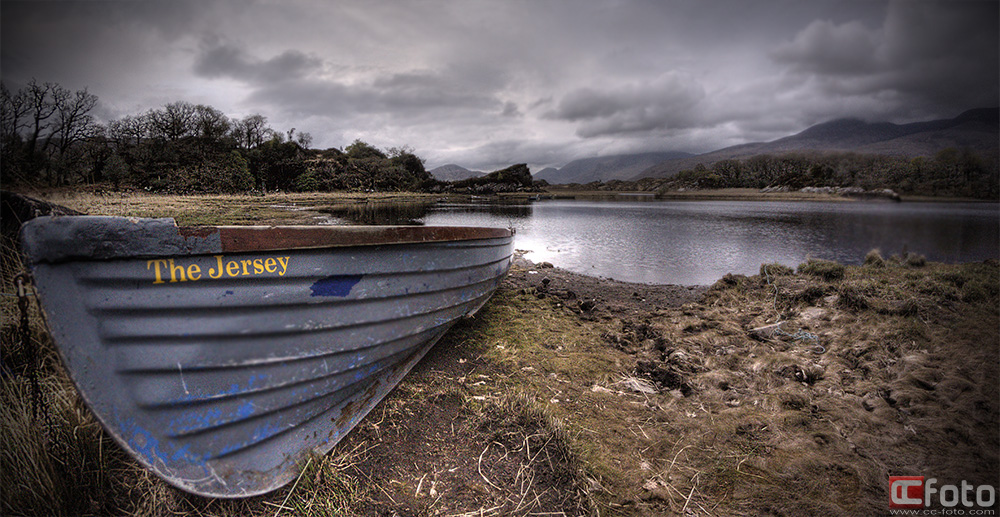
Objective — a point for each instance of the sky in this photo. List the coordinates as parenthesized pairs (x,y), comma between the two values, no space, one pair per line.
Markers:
(486,84)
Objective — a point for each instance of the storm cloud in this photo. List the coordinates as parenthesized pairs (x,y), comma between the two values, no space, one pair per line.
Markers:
(923,57)
(230,61)
(667,102)
(486,84)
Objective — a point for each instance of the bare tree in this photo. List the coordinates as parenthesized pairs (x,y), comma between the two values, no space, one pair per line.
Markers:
(304,140)
(210,123)
(13,110)
(128,131)
(174,121)
(73,121)
(41,106)
(251,131)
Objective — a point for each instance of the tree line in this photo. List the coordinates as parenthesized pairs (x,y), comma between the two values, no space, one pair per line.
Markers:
(50,137)
(950,172)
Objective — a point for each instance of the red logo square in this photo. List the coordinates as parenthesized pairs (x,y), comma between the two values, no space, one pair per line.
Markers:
(906,492)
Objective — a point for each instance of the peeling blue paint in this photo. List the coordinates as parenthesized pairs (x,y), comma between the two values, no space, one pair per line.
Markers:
(149,447)
(336,285)
(244,411)
(194,420)
(254,382)
(363,373)
(260,433)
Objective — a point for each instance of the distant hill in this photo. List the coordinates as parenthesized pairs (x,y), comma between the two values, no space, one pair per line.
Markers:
(452,172)
(605,168)
(516,178)
(546,172)
(977,129)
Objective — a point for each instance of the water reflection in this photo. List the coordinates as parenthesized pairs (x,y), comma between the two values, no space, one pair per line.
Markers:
(501,209)
(696,242)
(410,213)
(415,212)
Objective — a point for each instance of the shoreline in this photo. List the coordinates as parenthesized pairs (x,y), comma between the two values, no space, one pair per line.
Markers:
(576,395)
(62,195)
(741,195)
(655,394)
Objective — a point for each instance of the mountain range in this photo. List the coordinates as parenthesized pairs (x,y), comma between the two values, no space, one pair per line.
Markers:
(977,129)
(605,168)
(452,172)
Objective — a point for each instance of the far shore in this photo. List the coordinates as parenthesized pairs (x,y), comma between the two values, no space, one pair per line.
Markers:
(727,194)
(97,195)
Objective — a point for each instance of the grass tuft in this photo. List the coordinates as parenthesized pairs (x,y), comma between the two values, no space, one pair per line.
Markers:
(874,259)
(774,269)
(826,269)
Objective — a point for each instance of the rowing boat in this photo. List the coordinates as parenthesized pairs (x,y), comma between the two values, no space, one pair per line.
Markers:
(223,357)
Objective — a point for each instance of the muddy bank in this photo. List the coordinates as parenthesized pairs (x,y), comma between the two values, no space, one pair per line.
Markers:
(662,400)
(787,393)
(595,297)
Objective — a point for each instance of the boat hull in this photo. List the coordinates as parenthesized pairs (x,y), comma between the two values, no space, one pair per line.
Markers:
(222,358)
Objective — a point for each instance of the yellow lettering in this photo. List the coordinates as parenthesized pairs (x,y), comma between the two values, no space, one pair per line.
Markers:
(157,263)
(211,272)
(174,270)
(221,268)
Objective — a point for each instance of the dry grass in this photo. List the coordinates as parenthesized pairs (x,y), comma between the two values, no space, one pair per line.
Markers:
(291,208)
(812,421)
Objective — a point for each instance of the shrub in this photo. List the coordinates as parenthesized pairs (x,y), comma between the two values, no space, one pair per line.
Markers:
(308,182)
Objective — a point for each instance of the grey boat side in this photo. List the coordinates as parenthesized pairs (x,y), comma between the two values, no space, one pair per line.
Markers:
(222,357)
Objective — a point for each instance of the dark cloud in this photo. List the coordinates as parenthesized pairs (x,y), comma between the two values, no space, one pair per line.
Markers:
(666,103)
(924,59)
(403,95)
(510,109)
(827,48)
(224,60)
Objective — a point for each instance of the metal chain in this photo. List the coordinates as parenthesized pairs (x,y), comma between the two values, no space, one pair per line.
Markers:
(22,280)
(800,335)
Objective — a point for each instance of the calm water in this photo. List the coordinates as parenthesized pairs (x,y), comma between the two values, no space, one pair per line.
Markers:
(696,242)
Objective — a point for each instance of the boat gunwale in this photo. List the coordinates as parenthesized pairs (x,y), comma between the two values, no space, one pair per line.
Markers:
(56,239)
(236,239)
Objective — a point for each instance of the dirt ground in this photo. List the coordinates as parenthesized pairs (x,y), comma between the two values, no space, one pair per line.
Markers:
(664,400)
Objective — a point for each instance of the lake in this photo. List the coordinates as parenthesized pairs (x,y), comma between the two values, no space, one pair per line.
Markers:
(697,242)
